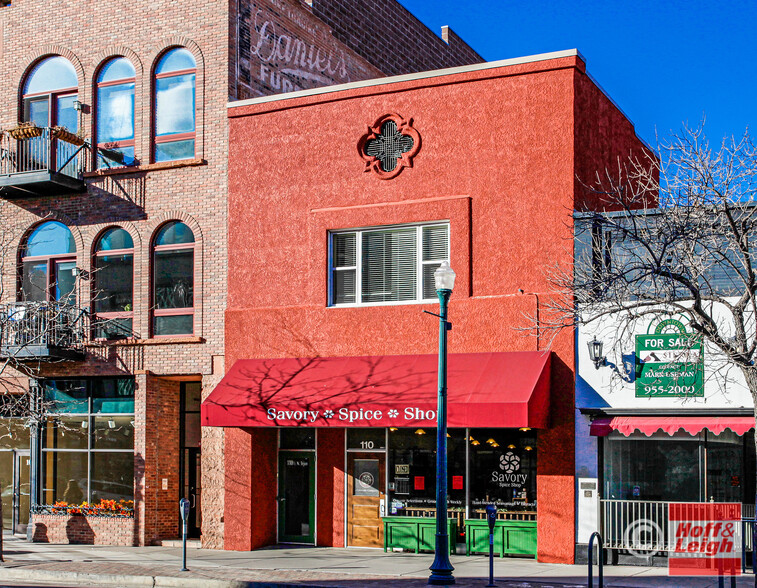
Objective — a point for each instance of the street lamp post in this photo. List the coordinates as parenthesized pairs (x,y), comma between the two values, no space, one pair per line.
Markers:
(441,569)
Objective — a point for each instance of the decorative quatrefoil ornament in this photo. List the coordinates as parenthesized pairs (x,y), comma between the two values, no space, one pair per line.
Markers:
(389,146)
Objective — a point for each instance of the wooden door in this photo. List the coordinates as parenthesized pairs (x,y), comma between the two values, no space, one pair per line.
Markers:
(365,491)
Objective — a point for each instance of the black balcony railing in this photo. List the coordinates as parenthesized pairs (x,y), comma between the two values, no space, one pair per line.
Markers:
(38,330)
(42,161)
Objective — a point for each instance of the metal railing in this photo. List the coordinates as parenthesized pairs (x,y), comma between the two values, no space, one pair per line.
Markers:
(638,525)
(642,525)
(49,151)
(50,324)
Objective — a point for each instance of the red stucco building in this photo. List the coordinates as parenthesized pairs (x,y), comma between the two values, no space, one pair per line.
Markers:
(342,202)
(113,219)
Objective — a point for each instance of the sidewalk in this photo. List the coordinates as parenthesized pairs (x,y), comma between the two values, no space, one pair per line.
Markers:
(299,567)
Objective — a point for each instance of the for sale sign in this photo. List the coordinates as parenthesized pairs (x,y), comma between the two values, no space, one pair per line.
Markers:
(669,362)
(705,539)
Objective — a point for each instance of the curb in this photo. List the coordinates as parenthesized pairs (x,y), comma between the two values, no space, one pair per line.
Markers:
(23,575)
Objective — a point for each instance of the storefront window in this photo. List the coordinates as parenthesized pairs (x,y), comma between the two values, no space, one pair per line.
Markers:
(371,439)
(503,469)
(294,438)
(681,467)
(88,440)
(412,471)
(725,463)
(634,467)
(14,434)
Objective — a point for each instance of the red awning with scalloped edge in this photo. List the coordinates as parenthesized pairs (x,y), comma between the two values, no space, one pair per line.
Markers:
(670,425)
(484,390)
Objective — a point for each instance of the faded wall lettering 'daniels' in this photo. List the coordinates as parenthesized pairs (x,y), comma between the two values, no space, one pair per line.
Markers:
(282,47)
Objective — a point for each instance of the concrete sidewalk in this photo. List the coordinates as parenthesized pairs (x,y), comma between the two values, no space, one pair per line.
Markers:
(310,567)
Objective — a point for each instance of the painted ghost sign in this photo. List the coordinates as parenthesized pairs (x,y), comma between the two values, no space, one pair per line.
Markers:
(282,47)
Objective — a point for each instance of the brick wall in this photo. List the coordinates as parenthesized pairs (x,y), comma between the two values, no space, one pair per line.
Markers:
(284,45)
(139,200)
(85,530)
(296,46)
(281,47)
(391,38)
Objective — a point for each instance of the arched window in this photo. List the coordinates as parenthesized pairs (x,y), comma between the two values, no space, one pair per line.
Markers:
(49,94)
(175,106)
(173,280)
(49,264)
(113,284)
(115,112)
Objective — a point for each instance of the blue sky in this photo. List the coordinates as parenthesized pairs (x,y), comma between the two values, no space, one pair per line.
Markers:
(664,63)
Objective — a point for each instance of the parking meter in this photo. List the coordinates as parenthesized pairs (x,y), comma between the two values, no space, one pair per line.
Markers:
(491,519)
(184,512)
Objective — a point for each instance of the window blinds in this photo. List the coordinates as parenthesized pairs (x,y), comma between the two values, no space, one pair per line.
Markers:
(396,264)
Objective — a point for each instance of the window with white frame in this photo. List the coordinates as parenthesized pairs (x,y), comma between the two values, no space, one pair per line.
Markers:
(386,264)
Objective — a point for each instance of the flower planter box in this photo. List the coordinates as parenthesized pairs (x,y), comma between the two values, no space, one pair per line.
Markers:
(83,529)
(25,131)
(510,537)
(63,134)
(416,533)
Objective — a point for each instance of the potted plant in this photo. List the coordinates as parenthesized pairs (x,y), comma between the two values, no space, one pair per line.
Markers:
(25,130)
(63,134)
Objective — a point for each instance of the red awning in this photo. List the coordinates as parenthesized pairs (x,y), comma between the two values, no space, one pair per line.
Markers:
(670,425)
(484,390)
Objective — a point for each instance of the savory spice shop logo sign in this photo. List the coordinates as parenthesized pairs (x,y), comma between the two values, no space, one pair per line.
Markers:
(669,362)
(352,415)
(508,476)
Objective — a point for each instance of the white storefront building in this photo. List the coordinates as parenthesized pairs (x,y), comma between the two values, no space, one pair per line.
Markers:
(660,418)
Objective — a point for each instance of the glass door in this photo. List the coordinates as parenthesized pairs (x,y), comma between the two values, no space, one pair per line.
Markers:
(64,282)
(194,492)
(65,115)
(21,492)
(7,487)
(296,497)
(35,152)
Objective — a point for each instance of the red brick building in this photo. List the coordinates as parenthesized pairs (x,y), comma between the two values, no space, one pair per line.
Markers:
(337,221)
(114,234)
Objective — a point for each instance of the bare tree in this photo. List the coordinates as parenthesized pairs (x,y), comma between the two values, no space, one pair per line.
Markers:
(29,330)
(675,236)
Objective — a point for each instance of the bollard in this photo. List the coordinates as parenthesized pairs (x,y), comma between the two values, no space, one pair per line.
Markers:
(491,518)
(600,559)
(184,512)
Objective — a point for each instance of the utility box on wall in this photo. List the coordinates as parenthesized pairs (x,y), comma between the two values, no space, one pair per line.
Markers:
(587,495)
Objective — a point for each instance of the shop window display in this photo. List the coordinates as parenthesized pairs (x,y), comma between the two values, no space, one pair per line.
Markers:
(412,471)
(681,467)
(88,440)
(503,469)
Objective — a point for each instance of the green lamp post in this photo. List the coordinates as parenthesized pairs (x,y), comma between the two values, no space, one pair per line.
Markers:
(441,569)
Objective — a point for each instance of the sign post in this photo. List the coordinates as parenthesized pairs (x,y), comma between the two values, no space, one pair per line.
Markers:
(184,512)
(491,519)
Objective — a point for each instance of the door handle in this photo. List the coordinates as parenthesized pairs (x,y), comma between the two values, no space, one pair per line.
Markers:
(193,503)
